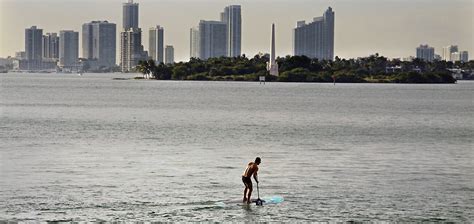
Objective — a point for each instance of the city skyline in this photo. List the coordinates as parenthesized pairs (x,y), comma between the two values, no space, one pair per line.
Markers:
(413,25)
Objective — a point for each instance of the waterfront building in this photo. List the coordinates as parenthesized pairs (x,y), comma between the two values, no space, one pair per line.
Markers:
(448,50)
(99,43)
(130,15)
(20,55)
(47,65)
(194,43)
(455,56)
(156,44)
(425,53)
(315,39)
(51,46)
(233,18)
(68,49)
(169,54)
(32,58)
(34,44)
(212,39)
(464,56)
(131,49)
(218,38)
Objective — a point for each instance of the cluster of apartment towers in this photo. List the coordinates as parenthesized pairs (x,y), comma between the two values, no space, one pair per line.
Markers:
(223,38)
(450,53)
(210,39)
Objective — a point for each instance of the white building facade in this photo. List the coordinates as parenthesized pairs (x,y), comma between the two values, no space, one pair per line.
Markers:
(425,53)
(233,18)
(315,39)
(156,44)
(212,39)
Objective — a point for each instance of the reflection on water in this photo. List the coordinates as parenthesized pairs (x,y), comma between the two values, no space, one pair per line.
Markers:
(94,148)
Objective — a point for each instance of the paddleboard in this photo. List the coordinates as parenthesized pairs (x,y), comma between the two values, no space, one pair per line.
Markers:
(266,200)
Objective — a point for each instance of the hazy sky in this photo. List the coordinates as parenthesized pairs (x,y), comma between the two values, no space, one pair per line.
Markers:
(393,28)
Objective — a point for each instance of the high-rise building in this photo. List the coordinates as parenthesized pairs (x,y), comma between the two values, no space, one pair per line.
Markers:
(448,50)
(34,44)
(455,56)
(68,48)
(316,39)
(212,39)
(33,55)
(232,17)
(99,42)
(169,54)
(130,15)
(194,43)
(464,56)
(131,49)
(51,46)
(156,44)
(425,53)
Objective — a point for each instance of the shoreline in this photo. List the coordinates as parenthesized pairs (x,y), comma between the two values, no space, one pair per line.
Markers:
(253,81)
(230,79)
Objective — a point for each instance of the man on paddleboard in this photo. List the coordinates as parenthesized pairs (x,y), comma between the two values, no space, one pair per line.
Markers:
(251,169)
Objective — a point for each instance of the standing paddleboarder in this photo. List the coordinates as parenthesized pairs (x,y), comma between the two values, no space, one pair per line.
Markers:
(251,169)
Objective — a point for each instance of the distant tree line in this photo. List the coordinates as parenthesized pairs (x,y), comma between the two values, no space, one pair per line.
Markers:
(374,68)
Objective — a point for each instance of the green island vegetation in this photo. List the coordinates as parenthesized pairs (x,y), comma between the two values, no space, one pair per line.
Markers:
(372,69)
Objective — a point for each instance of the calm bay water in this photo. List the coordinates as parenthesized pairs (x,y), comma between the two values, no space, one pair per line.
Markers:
(93,148)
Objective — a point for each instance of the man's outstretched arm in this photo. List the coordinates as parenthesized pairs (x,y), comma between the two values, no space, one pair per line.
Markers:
(255,176)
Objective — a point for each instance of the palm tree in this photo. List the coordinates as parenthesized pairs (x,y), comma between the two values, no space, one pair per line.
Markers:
(143,67)
(151,68)
(146,68)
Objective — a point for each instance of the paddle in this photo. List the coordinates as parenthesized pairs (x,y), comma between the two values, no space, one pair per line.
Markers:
(258,201)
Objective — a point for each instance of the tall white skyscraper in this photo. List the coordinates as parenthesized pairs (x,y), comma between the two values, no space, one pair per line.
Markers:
(51,46)
(212,39)
(68,48)
(169,54)
(130,15)
(156,44)
(425,53)
(99,42)
(233,18)
(315,39)
(194,43)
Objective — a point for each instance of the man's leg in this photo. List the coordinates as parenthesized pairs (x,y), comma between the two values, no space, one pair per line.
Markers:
(249,195)
(245,194)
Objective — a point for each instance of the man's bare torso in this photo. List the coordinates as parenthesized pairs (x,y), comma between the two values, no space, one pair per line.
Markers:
(250,170)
